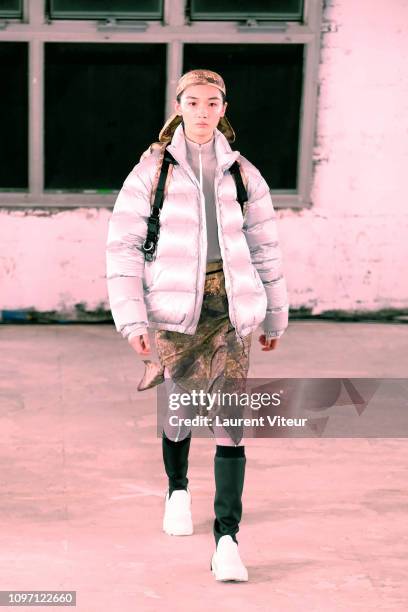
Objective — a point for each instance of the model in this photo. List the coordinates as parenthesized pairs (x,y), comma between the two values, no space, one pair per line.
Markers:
(203,269)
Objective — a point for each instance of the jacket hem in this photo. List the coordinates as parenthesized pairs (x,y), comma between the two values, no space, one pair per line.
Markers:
(176,327)
(190,330)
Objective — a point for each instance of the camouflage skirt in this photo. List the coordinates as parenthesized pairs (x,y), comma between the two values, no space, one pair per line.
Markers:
(212,359)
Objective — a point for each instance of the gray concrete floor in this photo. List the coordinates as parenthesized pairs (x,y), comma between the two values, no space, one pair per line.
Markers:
(82,483)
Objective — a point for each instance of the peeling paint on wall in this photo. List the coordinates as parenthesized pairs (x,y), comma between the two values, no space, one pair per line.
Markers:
(347,253)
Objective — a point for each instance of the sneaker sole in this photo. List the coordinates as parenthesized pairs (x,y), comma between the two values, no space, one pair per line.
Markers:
(178,532)
(227,575)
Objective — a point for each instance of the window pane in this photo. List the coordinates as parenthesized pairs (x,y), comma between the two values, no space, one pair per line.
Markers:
(104,104)
(264,85)
(10,8)
(98,9)
(290,10)
(14,115)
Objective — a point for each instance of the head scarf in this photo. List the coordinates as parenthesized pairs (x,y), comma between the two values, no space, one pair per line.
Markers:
(197,77)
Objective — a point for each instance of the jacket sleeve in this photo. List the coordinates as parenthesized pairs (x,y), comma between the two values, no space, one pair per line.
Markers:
(262,238)
(124,258)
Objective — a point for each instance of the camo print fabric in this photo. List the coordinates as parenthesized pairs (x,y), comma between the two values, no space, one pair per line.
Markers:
(212,359)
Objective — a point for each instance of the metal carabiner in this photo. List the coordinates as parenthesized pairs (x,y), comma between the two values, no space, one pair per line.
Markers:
(147,249)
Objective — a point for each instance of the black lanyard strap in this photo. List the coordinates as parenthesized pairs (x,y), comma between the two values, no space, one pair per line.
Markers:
(153,224)
(242,195)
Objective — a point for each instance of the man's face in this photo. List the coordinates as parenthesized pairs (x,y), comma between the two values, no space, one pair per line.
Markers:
(201,107)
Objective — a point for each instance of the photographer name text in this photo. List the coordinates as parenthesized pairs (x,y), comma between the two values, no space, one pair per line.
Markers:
(205,421)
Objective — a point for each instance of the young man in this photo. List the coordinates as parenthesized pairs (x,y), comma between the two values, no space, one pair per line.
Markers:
(215,277)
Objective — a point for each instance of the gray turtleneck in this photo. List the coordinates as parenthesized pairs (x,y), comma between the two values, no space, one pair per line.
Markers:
(203,161)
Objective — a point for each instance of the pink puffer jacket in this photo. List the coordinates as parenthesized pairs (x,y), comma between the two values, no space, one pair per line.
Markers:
(167,293)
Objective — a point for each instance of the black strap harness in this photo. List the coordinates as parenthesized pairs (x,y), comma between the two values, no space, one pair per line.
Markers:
(153,225)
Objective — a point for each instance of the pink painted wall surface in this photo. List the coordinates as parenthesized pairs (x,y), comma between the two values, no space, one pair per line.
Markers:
(349,251)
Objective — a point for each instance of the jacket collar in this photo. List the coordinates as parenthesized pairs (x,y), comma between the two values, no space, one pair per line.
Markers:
(224,154)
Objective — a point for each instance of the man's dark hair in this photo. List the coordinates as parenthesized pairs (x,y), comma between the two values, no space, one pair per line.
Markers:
(178,98)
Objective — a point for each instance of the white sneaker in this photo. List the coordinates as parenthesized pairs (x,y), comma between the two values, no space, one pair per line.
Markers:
(177,513)
(226,563)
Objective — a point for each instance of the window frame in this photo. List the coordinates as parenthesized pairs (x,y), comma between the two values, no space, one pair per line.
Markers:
(96,17)
(175,29)
(4,17)
(223,15)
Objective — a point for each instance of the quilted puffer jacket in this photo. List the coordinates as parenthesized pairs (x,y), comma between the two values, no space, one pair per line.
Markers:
(167,293)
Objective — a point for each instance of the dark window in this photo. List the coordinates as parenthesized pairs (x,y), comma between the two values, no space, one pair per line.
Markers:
(11,8)
(104,104)
(288,10)
(264,83)
(98,9)
(13,115)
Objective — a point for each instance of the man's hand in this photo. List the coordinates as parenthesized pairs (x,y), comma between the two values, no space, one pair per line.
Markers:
(141,344)
(268,345)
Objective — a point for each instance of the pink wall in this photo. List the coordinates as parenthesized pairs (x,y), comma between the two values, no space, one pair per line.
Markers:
(349,251)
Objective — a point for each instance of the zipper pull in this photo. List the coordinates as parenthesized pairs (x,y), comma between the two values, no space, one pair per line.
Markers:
(201,170)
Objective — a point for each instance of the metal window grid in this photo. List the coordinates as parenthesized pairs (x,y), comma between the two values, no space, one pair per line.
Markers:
(175,29)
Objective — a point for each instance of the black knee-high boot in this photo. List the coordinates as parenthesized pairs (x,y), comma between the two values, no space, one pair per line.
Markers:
(229,471)
(175,458)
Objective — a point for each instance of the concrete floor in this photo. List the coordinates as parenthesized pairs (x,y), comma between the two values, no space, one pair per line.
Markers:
(82,484)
